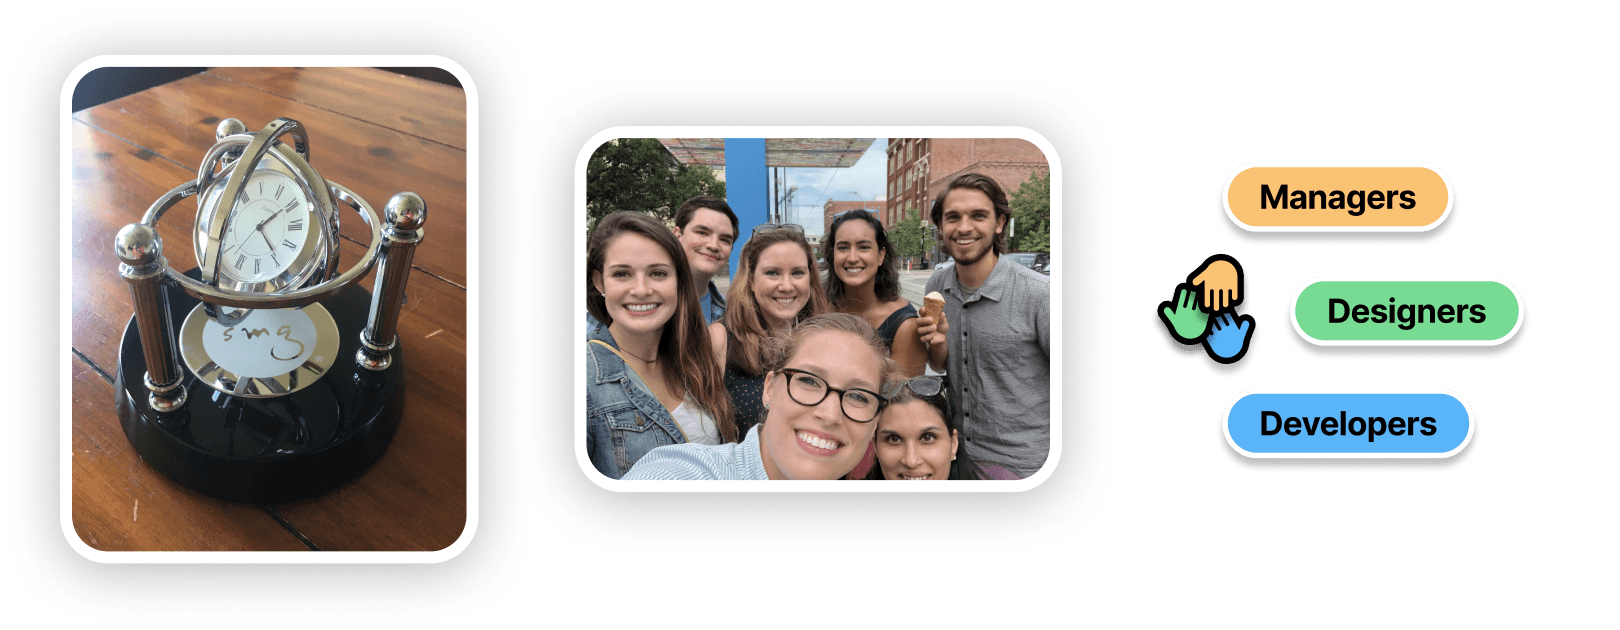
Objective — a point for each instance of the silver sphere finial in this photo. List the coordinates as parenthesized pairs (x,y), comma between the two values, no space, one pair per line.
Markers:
(137,245)
(405,211)
(229,127)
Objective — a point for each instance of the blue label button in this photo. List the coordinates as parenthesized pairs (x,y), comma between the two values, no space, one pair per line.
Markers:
(1348,425)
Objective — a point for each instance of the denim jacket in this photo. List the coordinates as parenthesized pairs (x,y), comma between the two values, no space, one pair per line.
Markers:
(622,419)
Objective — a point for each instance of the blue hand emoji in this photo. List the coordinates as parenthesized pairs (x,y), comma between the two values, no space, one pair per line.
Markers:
(1228,338)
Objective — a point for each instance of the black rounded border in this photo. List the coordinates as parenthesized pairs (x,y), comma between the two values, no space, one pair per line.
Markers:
(67,582)
(791,522)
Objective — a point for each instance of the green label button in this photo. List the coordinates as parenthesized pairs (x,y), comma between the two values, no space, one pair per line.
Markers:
(1407,312)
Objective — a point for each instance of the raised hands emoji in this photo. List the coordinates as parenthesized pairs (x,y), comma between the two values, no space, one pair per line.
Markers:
(1228,338)
(1220,283)
(1181,316)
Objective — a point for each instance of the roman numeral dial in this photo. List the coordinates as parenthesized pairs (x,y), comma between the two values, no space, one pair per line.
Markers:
(267,233)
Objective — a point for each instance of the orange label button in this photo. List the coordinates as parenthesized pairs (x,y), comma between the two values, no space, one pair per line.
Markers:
(1338,198)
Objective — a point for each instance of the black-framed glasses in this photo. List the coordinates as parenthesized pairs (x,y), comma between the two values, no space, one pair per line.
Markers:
(922,386)
(860,405)
(766,227)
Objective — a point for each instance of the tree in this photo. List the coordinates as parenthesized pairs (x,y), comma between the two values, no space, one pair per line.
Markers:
(1032,214)
(640,174)
(909,235)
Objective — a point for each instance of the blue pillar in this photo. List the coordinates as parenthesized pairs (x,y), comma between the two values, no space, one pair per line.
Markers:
(746,178)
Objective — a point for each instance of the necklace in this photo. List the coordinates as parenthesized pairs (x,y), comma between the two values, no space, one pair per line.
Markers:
(652,360)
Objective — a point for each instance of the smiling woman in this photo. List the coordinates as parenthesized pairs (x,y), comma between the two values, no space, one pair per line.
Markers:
(919,439)
(777,286)
(822,401)
(651,377)
(865,281)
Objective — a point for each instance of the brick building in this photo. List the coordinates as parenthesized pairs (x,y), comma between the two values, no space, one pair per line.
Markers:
(834,208)
(919,168)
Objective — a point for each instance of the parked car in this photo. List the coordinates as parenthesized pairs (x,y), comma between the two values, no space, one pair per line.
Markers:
(1024,258)
(1043,264)
(947,264)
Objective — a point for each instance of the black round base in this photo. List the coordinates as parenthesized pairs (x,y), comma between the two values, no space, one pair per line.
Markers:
(266,450)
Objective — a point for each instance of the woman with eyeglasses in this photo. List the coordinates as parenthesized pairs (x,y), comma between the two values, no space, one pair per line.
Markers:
(822,402)
(776,286)
(917,440)
(654,380)
(865,281)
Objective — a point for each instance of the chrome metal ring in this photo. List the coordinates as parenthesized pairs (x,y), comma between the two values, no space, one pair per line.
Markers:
(260,144)
(290,299)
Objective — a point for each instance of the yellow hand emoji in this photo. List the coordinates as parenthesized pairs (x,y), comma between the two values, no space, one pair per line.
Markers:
(1220,284)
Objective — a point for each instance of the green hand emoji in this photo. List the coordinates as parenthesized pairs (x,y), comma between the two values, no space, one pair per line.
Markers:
(1182,318)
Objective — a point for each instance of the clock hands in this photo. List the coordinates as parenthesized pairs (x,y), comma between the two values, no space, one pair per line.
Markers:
(259,229)
(260,226)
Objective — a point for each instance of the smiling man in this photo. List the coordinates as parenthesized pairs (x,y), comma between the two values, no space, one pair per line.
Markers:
(994,343)
(707,229)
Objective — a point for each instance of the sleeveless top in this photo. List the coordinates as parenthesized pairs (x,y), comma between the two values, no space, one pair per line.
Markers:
(746,393)
(891,326)
(696,422)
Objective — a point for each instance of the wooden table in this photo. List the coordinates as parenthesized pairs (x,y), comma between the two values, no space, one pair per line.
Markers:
(374,131)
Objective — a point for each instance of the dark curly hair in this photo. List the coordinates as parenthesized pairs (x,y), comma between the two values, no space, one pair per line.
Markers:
(887,283)
(963,467)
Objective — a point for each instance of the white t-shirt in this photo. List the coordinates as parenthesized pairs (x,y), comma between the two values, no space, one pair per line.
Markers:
(696,422)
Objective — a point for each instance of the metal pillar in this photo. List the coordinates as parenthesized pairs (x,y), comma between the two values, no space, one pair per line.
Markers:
(746,180)
(140,254)
(402,231)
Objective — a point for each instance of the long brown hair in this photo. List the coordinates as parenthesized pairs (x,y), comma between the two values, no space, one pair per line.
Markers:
(744,320)
(684,353)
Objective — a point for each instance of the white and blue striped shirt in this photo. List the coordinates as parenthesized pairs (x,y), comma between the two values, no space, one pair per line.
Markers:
(698,461)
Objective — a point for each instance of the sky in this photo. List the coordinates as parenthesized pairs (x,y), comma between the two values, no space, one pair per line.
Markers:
(867,179)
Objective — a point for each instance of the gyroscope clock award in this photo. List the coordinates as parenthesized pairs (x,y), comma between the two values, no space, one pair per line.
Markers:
(283,379)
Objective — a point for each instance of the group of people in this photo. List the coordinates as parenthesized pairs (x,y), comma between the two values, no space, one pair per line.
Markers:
(794,376)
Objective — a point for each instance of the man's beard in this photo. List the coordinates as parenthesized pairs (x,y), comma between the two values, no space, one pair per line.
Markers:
(975,253)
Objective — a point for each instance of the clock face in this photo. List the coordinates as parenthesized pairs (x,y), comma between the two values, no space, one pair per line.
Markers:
(267,229)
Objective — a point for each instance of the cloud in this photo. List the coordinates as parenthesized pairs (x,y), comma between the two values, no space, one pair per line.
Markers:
(867,179)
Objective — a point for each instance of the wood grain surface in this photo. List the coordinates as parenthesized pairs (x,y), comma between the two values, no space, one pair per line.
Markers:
(377,133)
(175,119)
